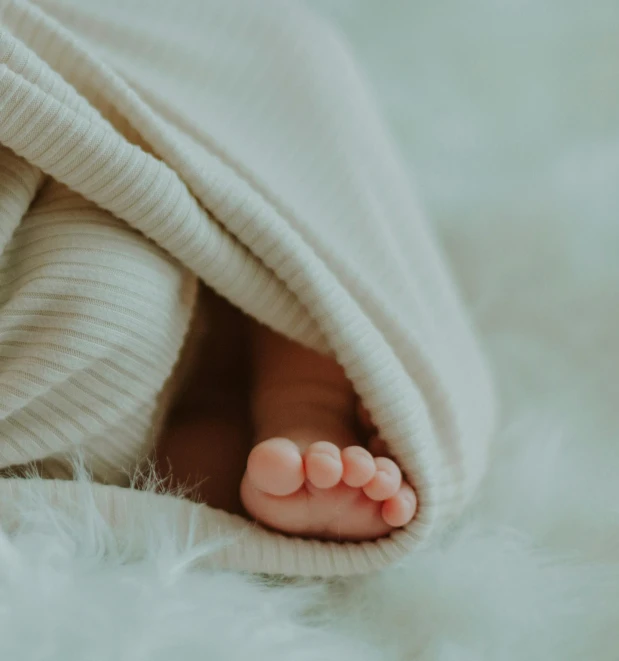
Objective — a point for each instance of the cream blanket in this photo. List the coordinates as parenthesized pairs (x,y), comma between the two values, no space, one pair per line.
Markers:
(144,143)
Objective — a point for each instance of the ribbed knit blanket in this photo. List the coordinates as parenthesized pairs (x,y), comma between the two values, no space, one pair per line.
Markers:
(146,144)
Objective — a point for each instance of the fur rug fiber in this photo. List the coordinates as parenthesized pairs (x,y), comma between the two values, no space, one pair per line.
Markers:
(508,113)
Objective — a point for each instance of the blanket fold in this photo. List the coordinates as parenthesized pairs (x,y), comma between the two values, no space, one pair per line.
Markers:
(147,144)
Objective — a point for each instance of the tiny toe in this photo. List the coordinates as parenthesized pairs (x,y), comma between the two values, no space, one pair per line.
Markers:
(400,509)
(359,466)
(385,482)
(276,467)
(323,465)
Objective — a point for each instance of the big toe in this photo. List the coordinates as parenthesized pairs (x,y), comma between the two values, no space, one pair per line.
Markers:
(275,466)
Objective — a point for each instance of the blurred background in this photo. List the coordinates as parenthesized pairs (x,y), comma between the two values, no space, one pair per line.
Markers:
(507,113)
(500,104)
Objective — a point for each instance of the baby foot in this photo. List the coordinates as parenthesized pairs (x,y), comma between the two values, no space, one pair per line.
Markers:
(308,475)
(326,492)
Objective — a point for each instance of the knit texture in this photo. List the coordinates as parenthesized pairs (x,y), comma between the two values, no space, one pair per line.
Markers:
(147,142)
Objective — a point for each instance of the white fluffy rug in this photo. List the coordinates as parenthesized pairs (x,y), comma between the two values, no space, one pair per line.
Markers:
(508,111)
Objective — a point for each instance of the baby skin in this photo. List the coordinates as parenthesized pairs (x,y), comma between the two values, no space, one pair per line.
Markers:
(308,473)
(314,467)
